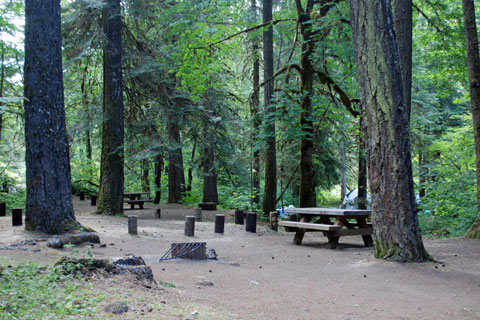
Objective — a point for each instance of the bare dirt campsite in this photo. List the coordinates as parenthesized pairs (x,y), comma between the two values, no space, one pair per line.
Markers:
(262,275)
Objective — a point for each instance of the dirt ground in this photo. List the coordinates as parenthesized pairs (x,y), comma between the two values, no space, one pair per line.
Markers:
(263,275)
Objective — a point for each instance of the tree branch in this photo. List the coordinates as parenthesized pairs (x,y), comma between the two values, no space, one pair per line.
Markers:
(274,22)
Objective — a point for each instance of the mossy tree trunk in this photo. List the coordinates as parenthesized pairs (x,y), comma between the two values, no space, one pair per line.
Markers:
(394,217)
(270,187)
(254,113)
(110,197)
(49,203)
(473,61)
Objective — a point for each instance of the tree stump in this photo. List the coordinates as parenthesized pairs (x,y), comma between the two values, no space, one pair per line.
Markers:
(251,222)
(189,226)
(159,213)
(93,200)
(219,223)
(132,225)
(274,220)
(17,217)
(3,209)
(198,214)
(239,217)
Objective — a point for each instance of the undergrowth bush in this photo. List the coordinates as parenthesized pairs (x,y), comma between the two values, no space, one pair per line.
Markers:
(33,292)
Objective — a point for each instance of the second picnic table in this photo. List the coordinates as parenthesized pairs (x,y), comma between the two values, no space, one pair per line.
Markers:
(341,226)
(134,198)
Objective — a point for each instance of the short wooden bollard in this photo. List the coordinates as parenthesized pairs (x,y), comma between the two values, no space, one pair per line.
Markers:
(239,216)
(93,200)
(274,220)
(3,209)
(251,222)
(82,195)
(198,214)
(17,217)
(159,213)
(132,225)
(219,223)
(189,226)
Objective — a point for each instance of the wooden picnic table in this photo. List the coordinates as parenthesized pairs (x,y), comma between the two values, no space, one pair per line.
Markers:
(134,198)
(334,223)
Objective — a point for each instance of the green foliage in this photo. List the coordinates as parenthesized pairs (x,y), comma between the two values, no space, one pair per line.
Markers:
(450,205)
(13,200)
(33,292)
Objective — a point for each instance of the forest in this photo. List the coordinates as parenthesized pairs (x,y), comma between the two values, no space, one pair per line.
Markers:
(251,105)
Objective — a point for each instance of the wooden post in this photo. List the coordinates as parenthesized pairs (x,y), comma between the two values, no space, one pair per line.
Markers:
(17,217)
(189,226)
(251,222)
(159,213)
(274,220)
(3,209)
(93,200)
(198,214)
(219,223)
(82,195)
(132,225)
(239,216)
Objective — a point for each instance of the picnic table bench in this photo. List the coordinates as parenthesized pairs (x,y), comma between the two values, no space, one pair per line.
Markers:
(333,230)
(135,198)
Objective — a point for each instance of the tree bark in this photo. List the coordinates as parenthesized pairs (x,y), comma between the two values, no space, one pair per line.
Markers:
(158,178)
(210,193)
(254,105)
(270,188)
(362,169)
(145,175)
(403,31)
(110,197)
(49,203)
(190,169)
(176,175)
(473,62)
(394,217)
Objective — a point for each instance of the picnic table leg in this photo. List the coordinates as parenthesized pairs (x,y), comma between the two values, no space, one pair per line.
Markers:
(132,205)
(141,205)
(367,239)
(297,240)
(332,239)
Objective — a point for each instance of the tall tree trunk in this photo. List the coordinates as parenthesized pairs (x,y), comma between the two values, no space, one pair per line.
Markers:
(88,142)
(49,203)
(403,30)
(158,178)
(110,198)
(422,172)
(270,189)
(473,61)
(343,187)
(394,217)
(362,169)
(254,112)
(176,175)
(210,193)
(190,169)
(145,175)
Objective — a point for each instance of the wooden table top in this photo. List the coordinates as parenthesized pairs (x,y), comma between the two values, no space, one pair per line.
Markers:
(328,211)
